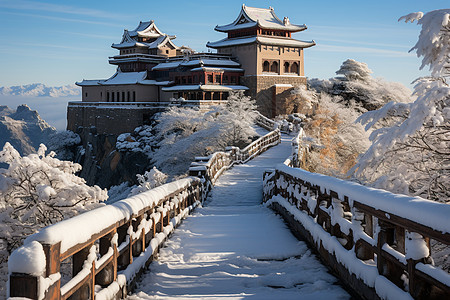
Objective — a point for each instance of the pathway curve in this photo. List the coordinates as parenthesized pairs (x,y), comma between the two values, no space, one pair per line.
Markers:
(235,248)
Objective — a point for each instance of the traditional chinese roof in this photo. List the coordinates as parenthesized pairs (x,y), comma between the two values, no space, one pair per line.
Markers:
(145,30)
(260,17)
(263,40)
(124,78)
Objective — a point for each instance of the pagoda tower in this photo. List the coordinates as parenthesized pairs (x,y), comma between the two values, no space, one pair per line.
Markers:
(273,61)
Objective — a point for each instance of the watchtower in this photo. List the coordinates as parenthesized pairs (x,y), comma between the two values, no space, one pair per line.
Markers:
(273,61)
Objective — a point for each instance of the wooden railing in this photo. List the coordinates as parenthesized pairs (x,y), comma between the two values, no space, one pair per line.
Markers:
(209,168)
(299,151)
(107,248)
(369,237)
(265,122)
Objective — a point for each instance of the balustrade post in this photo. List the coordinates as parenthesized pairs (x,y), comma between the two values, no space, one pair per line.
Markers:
(109,273)
(386,267)
(85,291)
(414,241)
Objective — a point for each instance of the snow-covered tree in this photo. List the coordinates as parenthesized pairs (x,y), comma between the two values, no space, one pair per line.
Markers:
(358,89)
(64,144)
(238,117)
(354,70)
(412,155)
(35,191)
(181,133)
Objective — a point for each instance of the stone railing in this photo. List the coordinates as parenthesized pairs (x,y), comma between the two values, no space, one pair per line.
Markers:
(377,242)
(106,249)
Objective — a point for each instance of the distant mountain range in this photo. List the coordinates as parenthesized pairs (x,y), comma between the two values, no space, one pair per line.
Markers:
(23,128)
(41,90)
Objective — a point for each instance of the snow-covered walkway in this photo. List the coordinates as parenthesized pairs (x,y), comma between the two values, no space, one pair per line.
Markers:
(235,248)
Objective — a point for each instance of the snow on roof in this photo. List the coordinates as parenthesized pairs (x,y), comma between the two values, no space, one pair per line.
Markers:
(167,65)
(217,69)
(196,62)
(90,82)
(261,17)
(275,41)
(205,87)
(144,29)
(124,78)
(148,29)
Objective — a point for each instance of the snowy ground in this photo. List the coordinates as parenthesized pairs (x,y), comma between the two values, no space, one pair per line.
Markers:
(235,248)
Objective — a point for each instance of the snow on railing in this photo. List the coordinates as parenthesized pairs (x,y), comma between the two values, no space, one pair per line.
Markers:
(209,168)
(107,247)
(265,122)
(379,238)
(299,151)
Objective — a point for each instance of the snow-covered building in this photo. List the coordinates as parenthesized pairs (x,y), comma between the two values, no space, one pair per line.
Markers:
(273,61)
(258,56)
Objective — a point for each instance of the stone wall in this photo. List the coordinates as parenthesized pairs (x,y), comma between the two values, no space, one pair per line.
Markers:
(109,119)
(271,96)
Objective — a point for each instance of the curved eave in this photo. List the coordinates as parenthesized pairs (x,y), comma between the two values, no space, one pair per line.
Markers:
(231,27)
(226,42)
(285,42)
(89,83)
(127,45)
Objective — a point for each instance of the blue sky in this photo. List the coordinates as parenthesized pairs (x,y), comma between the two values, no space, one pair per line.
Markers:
(60,42)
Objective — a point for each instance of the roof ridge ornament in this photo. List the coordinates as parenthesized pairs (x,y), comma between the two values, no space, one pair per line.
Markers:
(286,21)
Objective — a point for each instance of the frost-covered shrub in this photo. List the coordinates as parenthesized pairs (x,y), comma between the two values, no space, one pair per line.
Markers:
(335,140)
(35,191)
(148,181)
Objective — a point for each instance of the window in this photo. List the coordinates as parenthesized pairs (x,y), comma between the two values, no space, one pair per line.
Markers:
(167,51)
(225,79)
(189,79)
(123,96)
(294,68)
(195,79)
(274,67)
(233,79)
(266,66)
(184,79)
(118,97)
(210,78)
(101,95)
(128,96)
(112,96)
(134,96)
(107,96)
(85,94)
(218,79)
(286,67)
